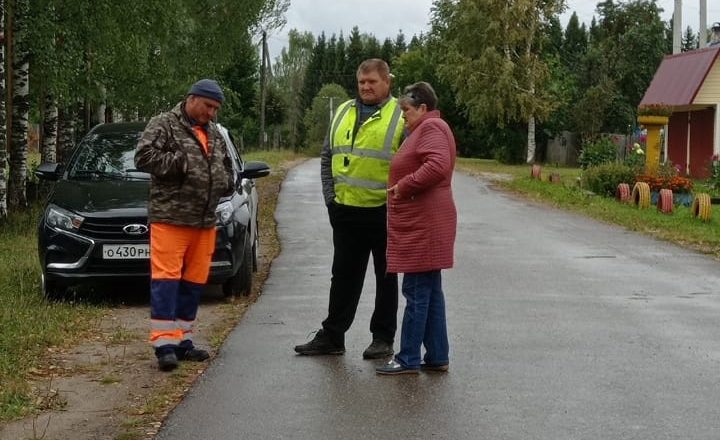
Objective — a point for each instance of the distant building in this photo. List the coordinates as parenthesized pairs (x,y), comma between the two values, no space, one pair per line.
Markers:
(690,83)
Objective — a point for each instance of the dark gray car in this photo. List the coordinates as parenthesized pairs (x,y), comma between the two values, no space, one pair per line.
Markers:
(94,227)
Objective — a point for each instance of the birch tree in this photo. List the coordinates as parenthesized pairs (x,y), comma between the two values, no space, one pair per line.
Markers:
(20,104)
(3,145)
(492,58)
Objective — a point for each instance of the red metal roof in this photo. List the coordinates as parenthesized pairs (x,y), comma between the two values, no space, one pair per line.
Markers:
(679,77)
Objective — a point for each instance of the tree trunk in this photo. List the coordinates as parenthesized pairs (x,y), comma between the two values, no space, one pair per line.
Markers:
(3,144)
(17,196)
(48,149)
(65,133)
(531,140)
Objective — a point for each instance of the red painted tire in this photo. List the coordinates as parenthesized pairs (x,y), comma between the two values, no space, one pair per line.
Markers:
(665,201)
(622,194)
(701,207)
(535,172)
(641,195)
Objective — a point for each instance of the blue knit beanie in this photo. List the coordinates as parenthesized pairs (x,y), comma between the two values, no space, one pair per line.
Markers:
(208,88)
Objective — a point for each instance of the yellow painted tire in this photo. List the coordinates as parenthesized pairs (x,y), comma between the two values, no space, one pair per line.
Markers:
(535,172)
(701,207)
(622,194)
(641,195)
(665,201)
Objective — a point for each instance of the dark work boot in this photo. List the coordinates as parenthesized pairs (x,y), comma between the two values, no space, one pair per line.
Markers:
(167,361)
(192,354)
(378,349)
(320,344)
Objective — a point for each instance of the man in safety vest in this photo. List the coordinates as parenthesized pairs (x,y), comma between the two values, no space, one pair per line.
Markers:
(187,157)
(355,161)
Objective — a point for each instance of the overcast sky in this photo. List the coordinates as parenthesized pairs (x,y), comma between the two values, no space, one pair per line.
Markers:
(385,18)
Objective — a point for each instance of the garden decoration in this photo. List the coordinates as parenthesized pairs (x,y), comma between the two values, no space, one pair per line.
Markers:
(641,195)
(653,117)
(535,172)
(701,207)
(622,194)
(665,201)
(554,178)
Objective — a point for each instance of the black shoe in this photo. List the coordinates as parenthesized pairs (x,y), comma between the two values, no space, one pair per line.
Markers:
(167,362)
(320,344)
(192,354)
(378,349)
(394,368)
(442,368)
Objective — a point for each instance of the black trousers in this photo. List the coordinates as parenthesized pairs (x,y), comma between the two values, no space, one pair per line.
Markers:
(357,234)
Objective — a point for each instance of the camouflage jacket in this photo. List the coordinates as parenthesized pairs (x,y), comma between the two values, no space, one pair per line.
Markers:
(186,182)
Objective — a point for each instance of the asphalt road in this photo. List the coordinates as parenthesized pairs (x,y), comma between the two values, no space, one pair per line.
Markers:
(560,328)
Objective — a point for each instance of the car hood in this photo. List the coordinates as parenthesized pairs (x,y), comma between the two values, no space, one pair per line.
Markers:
(107,198)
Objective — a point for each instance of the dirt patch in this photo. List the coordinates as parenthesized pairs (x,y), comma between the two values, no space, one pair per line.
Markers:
(110,387)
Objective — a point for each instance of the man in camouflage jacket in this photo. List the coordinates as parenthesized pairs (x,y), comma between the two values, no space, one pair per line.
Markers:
(187,157)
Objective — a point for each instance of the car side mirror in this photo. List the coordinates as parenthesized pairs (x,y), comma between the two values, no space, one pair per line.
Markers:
(255,169)
(49,171)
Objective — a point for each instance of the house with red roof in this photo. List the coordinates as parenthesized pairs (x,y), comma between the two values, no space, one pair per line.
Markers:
(689,82)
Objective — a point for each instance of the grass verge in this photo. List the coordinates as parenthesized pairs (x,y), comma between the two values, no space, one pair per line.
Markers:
(680,227)
(29,325)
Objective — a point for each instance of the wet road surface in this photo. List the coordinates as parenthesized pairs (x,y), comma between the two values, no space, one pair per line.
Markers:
(560,328)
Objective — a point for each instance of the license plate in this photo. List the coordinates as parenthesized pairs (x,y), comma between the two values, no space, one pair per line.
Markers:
(126,251)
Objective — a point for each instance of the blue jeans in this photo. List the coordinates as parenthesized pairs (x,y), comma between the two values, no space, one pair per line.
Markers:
(423,321)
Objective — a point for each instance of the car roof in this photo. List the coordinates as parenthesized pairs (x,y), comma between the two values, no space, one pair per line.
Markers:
(129,127)
(119,128)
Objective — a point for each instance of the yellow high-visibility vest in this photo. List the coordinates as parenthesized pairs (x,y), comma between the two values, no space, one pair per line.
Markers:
(361,163)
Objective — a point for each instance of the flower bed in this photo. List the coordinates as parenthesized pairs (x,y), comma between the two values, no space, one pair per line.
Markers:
(677,184)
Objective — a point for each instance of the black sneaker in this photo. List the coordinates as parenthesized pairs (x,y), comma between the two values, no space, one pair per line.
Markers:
(320,344)
(192,354)
(167,362)
(378,349)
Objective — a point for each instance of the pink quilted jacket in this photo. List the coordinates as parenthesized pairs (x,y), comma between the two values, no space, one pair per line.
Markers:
(423,221)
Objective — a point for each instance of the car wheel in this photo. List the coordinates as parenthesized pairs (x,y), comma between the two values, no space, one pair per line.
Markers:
(51,290)
(241,282)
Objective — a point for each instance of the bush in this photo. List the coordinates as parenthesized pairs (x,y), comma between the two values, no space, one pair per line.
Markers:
(597,152)
(604,178)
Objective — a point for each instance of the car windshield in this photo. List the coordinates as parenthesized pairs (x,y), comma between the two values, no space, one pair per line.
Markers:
(107,156)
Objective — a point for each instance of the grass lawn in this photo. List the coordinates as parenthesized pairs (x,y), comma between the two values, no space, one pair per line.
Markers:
(29,325)
(679,227)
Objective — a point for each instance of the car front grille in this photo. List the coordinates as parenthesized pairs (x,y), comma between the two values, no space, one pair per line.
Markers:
(112,228)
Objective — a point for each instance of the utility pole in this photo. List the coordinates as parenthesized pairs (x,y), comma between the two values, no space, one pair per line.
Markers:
(677,27)
(263,92)
(702,41)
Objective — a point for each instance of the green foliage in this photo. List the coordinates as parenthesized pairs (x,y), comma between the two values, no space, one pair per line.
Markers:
(317,118)
(604,179)
(597,151)
(714,180)
(491,55)
(508,144)
(635,159)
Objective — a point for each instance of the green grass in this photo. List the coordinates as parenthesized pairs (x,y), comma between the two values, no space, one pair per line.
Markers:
(29,325)
(679,227)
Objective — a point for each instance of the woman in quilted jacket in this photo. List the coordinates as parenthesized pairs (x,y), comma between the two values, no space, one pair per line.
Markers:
(422,222)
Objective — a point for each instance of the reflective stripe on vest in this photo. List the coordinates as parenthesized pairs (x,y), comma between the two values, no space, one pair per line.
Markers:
(360,169)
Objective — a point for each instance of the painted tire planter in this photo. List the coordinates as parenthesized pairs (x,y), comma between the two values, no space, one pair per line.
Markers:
(554,178)
(535,172)
(622,194)
(641,195)
(665,201)
(701,207)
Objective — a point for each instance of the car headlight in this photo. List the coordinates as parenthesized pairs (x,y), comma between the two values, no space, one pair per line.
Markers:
(224,212)
(59,218)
